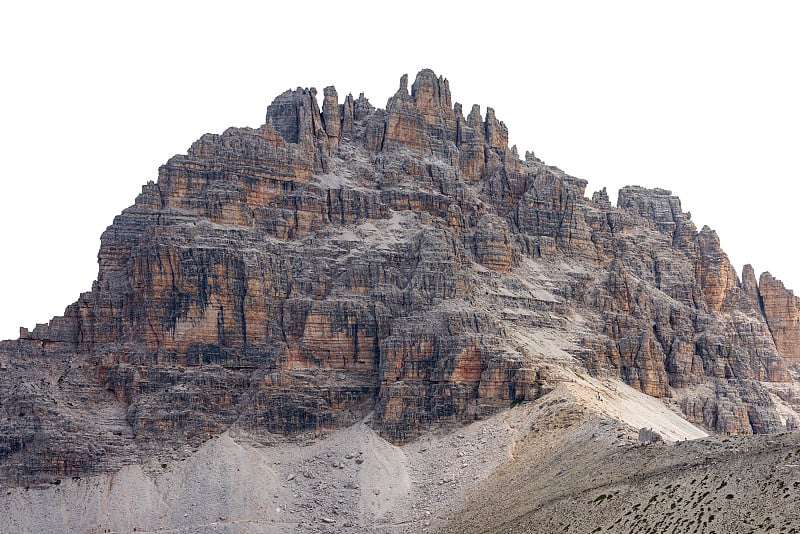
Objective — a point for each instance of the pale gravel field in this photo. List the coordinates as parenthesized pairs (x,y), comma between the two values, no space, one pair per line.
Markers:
(349,481)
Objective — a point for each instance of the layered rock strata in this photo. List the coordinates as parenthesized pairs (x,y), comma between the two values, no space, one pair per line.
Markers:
(343,261)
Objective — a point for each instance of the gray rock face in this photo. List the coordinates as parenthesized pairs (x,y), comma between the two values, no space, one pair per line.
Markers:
(404,262)
(648,436)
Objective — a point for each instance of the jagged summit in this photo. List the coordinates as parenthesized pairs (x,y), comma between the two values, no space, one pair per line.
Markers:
(400,264)
(424,119)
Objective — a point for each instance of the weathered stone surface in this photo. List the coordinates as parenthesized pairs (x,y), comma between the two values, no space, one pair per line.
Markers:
(331,115)
(750,296)
(782,311)
(405,124)
(732,407)
(423,119)
(405,263)
(348,114)
(470,140)
(714,272)
(494,244)
(648,436)
(676,316)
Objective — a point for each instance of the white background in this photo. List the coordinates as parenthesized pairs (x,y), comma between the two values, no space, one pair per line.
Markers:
(697,97)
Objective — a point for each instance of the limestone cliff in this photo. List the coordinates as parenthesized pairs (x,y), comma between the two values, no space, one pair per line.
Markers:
(403,262)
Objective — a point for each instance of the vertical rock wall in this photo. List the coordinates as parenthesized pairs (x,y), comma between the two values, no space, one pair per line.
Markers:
(343,261)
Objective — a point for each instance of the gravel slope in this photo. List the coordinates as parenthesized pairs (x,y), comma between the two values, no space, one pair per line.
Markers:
(568,462)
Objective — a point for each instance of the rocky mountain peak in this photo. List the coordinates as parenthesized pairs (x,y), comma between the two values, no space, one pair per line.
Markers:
(400,266)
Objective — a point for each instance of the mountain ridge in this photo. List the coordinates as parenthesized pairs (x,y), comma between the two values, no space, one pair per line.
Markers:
(342,260)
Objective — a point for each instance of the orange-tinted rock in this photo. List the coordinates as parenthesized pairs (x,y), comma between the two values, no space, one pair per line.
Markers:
(493,244)
(470,139)
(348,260)
(782,311)
(405,124)
(423,119)
(496,131)
(714,272)
(675,315)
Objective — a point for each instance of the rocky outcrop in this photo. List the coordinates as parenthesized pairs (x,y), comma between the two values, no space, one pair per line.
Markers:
(346,262)
(423,120)
(332,115)
(782,311)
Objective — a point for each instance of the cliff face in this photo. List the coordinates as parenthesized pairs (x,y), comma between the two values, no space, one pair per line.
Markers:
(404,263)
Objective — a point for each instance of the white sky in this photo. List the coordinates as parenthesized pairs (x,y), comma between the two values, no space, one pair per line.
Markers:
(701,98)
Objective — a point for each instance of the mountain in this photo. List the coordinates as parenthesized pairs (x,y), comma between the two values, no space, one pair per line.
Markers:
(400,269)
